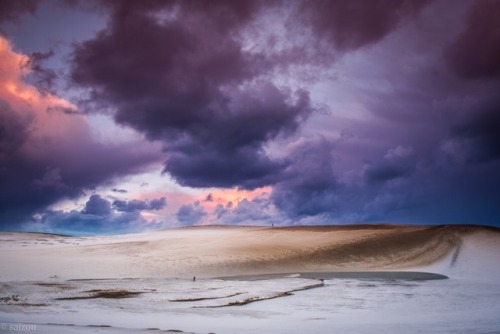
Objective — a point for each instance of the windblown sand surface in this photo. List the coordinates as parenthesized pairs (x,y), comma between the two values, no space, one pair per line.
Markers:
(227,251)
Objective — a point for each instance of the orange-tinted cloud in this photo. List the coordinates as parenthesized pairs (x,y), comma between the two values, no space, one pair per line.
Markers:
(47,150)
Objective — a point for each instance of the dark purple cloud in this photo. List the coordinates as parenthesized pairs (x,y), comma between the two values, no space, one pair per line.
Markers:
(97,217)
(77,223)
(476,52)
(225,14)
(189,83)
(353,24)
(456,182)
(139,205)
(190,214)
(31,183)
(183,77)
(215,107)
(396,164)
(258,211)
(477,135)
(314,188)
(12,10)
(19,192)
(96,205)
(310,183)
(13,131)
(385,172)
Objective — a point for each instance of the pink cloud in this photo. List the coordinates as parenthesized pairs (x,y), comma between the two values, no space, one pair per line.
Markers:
(47,148)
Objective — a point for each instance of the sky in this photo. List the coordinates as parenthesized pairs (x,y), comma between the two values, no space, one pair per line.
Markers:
(125,116)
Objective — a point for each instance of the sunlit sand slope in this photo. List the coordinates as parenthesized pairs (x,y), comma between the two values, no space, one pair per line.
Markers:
(225,251)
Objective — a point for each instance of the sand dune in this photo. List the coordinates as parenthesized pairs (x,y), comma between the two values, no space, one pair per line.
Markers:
(225,251)
(370,278)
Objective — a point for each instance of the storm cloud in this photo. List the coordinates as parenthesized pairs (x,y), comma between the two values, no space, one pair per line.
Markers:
(11,10)
(285,112)
(476,52)
(310,182)
(353,24)
(478,136)
(197,90)
(215,121)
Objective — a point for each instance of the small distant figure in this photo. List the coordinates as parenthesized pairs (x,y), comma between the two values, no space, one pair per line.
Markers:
(194,278)
(272,224)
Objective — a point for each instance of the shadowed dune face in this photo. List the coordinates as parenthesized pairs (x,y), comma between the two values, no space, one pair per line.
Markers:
(334,249)
(395,248)
(221,251)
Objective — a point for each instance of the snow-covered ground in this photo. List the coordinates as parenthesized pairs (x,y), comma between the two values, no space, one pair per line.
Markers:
(73,301)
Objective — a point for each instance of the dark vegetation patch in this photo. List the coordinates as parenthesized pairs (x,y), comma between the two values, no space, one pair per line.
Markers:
(16,300)
(99,326)
(31,304)
(111,294)
(11,298)
(251,300)
(61,286)
(166,331)
(203,298)
(258,299)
